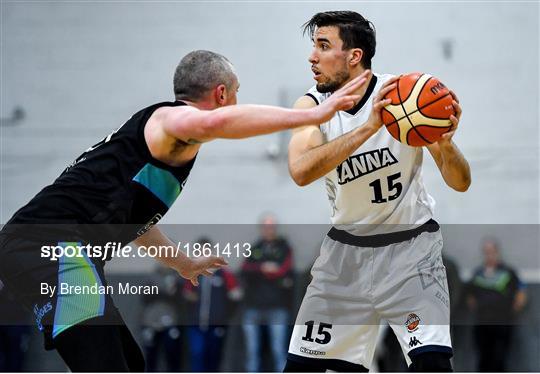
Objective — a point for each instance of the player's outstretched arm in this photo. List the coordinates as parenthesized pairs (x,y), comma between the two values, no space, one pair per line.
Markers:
(242,121)
(176,259)
(454,167)
(310,159)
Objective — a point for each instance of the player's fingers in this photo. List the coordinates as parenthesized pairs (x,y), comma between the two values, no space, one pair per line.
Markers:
(213,261)
(346,87)
(448,135)
(347,101)
(454,96)
(356,82)
(390,81)
(207,273)
(382,93)
(457,108)
(218,265)
(381,104)
(218,261)
(353,85)
(346,105)
(455,122)
(352,97)
(386,87)
(195,281)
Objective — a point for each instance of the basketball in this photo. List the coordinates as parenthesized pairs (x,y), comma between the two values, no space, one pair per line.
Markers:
(420,111)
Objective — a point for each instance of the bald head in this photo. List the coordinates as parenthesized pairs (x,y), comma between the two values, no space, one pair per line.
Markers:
(199,72)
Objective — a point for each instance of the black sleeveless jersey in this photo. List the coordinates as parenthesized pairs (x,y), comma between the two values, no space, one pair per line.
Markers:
(115,183)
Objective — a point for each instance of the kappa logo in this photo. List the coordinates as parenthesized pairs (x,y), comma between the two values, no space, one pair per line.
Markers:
(412,322)
(364,163)
(414,342)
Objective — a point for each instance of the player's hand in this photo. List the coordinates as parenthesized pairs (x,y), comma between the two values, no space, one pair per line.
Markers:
(446,138)
(342,99)
(200,266)
(379,102)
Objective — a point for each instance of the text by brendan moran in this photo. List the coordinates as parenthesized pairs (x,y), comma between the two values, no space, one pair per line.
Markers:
(97,289)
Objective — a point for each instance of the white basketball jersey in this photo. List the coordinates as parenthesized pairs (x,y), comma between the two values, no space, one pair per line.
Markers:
(379,188)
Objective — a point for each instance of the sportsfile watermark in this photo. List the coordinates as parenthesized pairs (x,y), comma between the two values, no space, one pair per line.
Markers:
(438,272)
(117,250)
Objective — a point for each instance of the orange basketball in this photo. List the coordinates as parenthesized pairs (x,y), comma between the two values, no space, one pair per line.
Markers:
(420,110)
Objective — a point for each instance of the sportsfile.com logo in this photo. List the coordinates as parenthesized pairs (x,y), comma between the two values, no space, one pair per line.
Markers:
(114,249)
(312,352)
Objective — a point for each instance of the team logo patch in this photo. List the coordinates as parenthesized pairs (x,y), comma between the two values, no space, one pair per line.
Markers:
(412,322)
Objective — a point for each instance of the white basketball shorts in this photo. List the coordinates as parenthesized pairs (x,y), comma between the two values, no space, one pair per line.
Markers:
(355,288)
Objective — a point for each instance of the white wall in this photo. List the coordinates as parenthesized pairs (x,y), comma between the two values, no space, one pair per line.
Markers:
(80,70)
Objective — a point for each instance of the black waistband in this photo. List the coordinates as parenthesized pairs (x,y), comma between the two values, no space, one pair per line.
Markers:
(381,240)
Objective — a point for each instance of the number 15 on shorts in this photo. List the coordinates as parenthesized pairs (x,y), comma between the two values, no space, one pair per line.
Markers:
(323,334)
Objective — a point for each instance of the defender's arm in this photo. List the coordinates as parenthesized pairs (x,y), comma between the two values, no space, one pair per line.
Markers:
(241,121)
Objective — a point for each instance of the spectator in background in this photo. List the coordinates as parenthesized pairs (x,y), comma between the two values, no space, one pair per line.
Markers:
(14,333)
(161,331)
(268,284)
(209,312)
(496,295)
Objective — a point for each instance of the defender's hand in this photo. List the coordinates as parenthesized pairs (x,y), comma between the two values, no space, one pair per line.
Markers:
(200,266)
(342,99)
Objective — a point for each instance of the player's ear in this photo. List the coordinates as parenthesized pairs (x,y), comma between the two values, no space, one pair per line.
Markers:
(355,56)
(221,94)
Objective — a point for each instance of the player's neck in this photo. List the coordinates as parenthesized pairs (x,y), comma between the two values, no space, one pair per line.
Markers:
(363,89)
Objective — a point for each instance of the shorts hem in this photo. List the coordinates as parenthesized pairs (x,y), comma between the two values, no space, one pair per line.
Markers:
(330,363)
(431,348)
(60,330)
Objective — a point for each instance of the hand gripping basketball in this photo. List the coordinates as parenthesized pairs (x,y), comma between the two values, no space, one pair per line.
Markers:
(421,110)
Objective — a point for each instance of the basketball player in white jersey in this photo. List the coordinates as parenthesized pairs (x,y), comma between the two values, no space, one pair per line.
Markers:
(382,259)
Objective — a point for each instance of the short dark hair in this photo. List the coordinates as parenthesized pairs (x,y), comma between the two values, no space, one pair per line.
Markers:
(354,30)
(199,72)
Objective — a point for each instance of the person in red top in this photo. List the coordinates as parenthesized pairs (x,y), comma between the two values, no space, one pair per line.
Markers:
(268,283)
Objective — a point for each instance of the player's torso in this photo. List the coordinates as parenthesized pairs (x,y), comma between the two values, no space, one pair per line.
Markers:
(116,181)
(379,187)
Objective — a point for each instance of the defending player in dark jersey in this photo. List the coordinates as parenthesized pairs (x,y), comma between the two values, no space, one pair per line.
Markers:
(117,191)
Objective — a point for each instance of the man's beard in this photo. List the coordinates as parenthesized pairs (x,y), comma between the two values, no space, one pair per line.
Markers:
(333,85)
